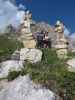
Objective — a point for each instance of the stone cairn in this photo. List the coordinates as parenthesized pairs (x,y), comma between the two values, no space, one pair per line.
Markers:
(61,45)
(26,35)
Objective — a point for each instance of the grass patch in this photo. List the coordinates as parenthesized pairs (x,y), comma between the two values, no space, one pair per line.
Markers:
(12,75)
(7,47)
(52,73)
(71,54)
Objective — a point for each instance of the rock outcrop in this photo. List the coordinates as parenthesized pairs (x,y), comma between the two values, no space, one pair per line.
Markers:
(71,64)
(17,60)
(31,55)
(24,89)
(10,65)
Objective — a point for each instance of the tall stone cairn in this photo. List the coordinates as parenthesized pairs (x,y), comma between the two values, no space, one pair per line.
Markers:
(61,45)
(26,35)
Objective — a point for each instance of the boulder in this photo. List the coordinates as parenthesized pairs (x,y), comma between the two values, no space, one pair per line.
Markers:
(29,43)
(17,60)
(71,64)
(32,55)
(10,65)
(23,88)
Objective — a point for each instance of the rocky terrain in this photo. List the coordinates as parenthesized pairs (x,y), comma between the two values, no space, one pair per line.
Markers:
(43,68)
(17,60)
(37,60)
(24,89)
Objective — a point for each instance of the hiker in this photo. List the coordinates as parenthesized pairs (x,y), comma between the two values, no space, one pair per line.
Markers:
(46,39)
(40,37)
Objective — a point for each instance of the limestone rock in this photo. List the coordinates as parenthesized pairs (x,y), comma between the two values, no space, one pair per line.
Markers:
(10,65)
(16,62)
(32,55)
(29,43)
(24,89)
(71,64)
(62,53)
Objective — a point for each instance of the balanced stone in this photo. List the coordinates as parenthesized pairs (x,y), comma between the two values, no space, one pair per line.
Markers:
(61,45)
(26,35)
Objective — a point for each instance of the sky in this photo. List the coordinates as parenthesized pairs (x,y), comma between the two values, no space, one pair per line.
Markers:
(42,10)
(9,14)
(52,10)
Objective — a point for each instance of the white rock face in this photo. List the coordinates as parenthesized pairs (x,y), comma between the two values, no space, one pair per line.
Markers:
(10,65)
(71,64)
(24,89)
(32,55)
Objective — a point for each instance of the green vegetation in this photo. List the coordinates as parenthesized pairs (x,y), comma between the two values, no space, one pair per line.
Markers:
(52,73)
(71,54)
(7,47)
(12,75)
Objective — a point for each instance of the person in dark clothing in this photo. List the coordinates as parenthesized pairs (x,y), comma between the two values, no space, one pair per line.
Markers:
(47,41)
(40,37)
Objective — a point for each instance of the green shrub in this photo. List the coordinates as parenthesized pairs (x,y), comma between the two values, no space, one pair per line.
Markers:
(50,57)
(12,75)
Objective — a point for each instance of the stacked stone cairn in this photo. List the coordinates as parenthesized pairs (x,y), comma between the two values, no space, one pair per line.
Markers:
(61,45)
(26,35)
